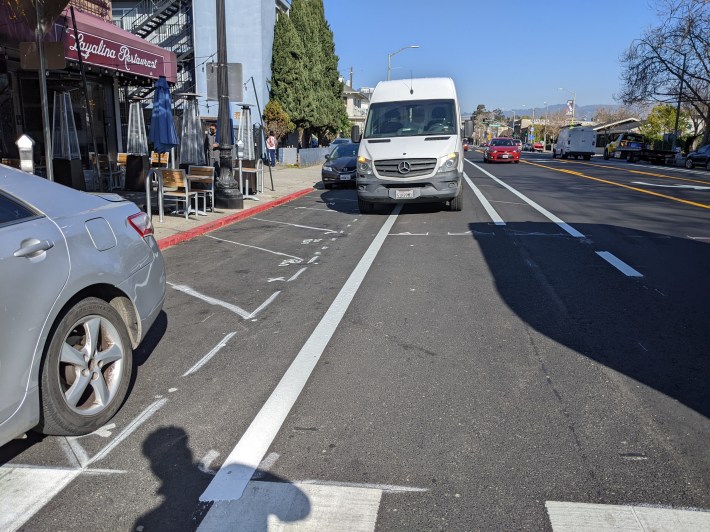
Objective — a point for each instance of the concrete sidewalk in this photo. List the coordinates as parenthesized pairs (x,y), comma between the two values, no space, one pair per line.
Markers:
(289,183)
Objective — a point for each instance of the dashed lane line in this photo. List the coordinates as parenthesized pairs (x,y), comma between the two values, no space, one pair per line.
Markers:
(486,204)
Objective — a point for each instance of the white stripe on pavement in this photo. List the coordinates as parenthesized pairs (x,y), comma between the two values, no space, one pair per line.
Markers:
(305,507)
(239,466)
(572,517)
(209,355)
(24,491)
(486,204)
(547,214)
(618,264)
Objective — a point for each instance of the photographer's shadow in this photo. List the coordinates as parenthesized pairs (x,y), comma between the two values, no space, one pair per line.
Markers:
(182,483)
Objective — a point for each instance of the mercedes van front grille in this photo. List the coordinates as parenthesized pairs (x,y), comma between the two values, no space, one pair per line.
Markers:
(405,167)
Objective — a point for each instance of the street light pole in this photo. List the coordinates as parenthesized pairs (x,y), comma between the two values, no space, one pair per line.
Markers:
(546,115)
(227,193)
(574,102)
(389,57)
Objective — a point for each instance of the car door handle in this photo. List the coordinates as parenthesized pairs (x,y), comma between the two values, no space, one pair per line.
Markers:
(34,249)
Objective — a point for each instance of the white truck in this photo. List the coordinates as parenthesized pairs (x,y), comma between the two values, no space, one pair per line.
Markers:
(411,150)
(575,141)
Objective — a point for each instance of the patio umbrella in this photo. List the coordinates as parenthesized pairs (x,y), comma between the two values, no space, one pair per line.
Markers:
(192,148)
(162,129)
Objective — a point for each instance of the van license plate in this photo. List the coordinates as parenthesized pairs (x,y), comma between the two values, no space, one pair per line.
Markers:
(403,194)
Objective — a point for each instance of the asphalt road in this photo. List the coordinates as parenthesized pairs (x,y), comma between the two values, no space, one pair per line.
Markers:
(415,369)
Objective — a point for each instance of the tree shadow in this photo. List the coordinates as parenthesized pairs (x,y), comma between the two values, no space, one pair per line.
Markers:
(183,481)
(654,329)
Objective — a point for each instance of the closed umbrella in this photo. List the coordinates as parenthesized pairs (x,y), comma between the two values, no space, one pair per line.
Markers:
(162,128)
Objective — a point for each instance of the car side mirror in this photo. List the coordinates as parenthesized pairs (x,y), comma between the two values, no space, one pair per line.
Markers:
(355,134)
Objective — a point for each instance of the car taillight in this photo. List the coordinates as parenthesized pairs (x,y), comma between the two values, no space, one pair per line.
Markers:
(141,223)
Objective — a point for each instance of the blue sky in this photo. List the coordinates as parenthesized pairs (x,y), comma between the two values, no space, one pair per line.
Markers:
(507,55)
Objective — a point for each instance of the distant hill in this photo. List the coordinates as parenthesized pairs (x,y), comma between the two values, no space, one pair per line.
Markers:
(582,111)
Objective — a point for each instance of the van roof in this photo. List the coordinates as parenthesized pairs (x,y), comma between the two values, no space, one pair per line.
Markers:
(414,89)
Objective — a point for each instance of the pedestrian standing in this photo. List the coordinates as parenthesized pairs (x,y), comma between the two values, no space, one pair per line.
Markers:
(271,146)
(212,147)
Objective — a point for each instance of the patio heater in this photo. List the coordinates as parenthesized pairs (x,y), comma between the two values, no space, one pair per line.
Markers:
(66,158)
(246,152)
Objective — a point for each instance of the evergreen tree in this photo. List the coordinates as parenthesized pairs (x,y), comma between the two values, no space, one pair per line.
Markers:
(289,82)
(315,99)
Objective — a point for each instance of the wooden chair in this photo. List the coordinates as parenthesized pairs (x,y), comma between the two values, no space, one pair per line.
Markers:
(205,176)
(15,163)
(159,159)
(175,186)
(109,171)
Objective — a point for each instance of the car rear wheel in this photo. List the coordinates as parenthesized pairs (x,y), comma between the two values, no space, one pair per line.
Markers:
(689,163)
(365,207)
(86,370)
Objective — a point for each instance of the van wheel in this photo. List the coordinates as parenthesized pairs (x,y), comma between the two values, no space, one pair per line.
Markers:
(456,204)
(86,371)
(554,155)
(688,163)
(365,207)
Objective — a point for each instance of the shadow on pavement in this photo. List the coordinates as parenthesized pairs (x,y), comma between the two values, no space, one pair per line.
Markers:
(654,329)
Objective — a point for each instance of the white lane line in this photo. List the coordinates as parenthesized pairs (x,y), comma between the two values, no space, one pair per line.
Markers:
(265,465)
(264,305)
(254,247)
(74,451)
(486,204)
(312,260)
(209,355)
(571,517)
(297,225)
(382,487)
(571,230)
(295,275)
(239,466)
(24,491)
(659,185)
(619,264)
(130,429)
(318,209)
(297,506)
(229,306)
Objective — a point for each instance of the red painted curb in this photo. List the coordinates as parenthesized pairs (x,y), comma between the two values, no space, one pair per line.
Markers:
(168,241)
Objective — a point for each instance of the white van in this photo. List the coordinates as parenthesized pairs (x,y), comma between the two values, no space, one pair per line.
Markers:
(575,141)
(411,150)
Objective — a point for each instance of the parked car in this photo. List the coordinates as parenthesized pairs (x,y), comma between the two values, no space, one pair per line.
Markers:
(699,157)
(466,145)
(340,165)
(81,282)
(518,143)
(501,149)
(340,140)
(538,146)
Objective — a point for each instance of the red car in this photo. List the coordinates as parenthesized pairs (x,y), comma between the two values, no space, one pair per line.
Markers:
(538,146)
(502,149)
(466,145)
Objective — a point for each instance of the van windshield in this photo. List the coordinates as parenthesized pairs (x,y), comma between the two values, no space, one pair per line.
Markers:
(411,118)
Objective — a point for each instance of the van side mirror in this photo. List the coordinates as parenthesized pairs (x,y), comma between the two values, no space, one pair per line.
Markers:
(355,134)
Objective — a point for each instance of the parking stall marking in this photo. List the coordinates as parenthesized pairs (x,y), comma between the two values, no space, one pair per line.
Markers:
(325,230)
(216,349)
(256,247)
(242,462)
(218,302)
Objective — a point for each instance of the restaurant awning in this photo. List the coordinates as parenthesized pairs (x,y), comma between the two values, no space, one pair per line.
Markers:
(108,46)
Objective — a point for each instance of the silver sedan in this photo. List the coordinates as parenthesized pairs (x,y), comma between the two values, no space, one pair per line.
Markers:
(81,281)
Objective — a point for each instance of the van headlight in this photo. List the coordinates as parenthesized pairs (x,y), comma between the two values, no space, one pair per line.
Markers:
(364,165)
(449,162)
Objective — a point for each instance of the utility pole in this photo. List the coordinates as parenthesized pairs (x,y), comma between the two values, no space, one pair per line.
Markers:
(227,193)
